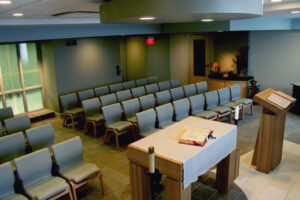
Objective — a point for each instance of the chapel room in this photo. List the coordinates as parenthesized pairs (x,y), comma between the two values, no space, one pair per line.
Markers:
(149,100)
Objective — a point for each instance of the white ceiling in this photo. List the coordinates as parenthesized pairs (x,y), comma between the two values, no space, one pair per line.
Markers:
(42,11)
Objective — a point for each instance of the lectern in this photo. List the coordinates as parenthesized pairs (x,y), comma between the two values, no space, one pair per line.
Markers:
(269,141)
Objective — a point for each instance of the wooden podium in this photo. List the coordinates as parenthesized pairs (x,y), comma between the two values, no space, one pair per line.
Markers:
(269,141)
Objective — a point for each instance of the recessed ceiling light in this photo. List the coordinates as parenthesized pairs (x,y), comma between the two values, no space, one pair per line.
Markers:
(275,1)
(295,12)
(18,14)
(147,18)
(207,20)
(220,31)
(5,2)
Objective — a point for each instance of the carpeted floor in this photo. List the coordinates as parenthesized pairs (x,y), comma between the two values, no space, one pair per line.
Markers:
(114,164)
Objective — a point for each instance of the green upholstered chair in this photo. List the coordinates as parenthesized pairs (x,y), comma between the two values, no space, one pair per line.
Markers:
(34,170)
(86,94)
(197,108)
(128,85)
(7,182)
(164,85)
(116,87)
(130,108)
(40,137)
(146,122)
(93,116)
(141,82)
(123,95)
(147,101)
(152,88)
(68,158)
(114,124)
(6,113)
(70,108)
(175,83)
(152,79)
(189,90)
(108,99)
(12,146)
(201,87)
(100,91)
(177,93)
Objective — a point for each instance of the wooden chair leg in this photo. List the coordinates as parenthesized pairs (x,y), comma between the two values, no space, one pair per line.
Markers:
(101,182)
(218,117)
(95,129)
(117,140)
(105,136)
(243,112)
(230,117)
(251,108)
(72,119)
(73,190)
(84,129)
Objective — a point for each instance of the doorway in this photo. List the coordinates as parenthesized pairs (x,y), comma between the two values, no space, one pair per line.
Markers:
(200,57)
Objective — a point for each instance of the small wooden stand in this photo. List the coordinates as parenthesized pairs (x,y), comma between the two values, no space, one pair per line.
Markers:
(269,141)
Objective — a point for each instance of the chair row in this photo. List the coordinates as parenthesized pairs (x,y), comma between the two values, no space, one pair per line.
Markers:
(18,144)
(14,124)
(70,102)
(34,173)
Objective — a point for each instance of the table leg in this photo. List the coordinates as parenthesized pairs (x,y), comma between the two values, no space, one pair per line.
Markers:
(226,173)
(175,190)
(139,182)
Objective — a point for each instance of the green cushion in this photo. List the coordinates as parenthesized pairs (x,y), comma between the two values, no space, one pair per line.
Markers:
(80,172)
(120,126)
(132,119)
(14,197)
(206,114)
(221,109)
(148,133)
(167,125)
(95,117)
(46,188)
(74,111)
(245,101)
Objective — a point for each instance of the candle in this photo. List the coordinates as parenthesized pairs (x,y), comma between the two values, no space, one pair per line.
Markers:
(151,160)
(237,110)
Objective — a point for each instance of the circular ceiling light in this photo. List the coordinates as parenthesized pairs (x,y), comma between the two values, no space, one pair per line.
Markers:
(148,18)
(18,14)
(207,20)
(5,2)
(295,12)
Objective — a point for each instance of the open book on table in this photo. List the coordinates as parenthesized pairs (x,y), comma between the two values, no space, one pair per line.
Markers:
(281,99)
(194,136)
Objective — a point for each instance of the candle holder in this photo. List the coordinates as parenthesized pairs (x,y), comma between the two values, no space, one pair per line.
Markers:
(237,113)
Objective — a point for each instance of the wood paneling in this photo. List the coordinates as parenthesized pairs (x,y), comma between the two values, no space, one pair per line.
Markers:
(215,84)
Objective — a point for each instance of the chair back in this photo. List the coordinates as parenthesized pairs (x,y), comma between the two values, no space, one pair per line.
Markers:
(201,87)
(86,94)
(40,137)
(141,82)
(146,120)
(108,99)
(211,99)
(34,167)
(152,79)
(164,114)
(6,113)
(224,96)
(123,95)
(182,108)
(152,88)
(116,87)
(235,91)
(12,146)
(197,103)
(147,101)
(138,91)
(68,153)
(17,124)
(69,101)
(177,93)
(91,106)
(131,107)
(112,113)
(163,97)
(175,83)
(189,90)
(164,85)
(7,180)
(100,91)
(128,85)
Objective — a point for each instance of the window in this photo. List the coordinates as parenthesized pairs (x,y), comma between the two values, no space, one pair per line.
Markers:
(20,78)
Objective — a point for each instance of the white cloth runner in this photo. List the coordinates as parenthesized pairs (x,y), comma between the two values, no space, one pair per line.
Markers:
(196,160)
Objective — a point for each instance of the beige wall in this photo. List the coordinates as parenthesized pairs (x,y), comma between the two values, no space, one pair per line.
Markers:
(179,67)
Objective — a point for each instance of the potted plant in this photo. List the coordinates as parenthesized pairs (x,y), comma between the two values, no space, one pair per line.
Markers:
(253,88)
